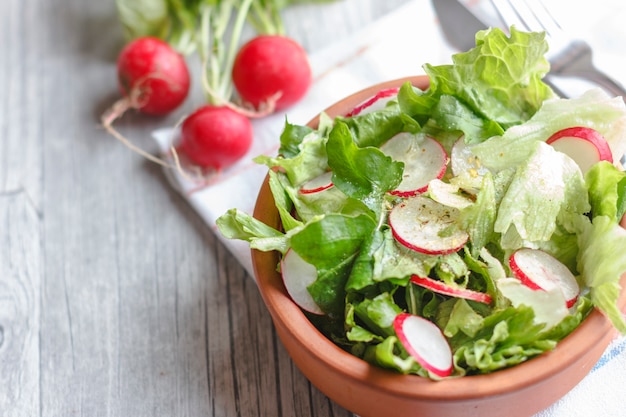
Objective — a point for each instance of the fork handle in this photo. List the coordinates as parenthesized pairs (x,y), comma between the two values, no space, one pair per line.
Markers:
(611,86)
(603,80)
(556,89)
(597,77)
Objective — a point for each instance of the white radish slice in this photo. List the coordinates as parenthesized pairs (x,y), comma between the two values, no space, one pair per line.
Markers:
(297,276)
(377,102)
(447,194)
(445,289)
(425,342)
(462,159)
(426,226)
(424,160)
(317,184)
(539,270)
(584,145)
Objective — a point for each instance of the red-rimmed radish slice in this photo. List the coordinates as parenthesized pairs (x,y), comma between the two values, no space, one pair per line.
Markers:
(424,160)
(539,270)
(426,226)
(378,102)
(297,276)
(445,289)
(425,342)
(584,145)
(462,159)
(317,184)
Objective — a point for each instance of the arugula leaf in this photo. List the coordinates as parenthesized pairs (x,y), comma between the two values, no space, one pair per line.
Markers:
(331,239)
(362,173)
(284,204)
(291,138)
(331,243)
(375,128)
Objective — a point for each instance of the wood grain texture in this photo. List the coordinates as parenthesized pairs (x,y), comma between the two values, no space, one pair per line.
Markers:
(115,298)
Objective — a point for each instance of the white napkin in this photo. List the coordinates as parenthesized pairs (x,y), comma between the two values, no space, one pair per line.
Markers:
(369,57)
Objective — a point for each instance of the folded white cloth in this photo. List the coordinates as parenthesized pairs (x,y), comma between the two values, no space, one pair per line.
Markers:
(370,57)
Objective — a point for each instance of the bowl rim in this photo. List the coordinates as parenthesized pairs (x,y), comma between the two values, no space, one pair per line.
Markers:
(594,332)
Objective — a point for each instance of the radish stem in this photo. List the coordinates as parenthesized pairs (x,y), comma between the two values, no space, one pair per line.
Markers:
(217,58)
(266,19)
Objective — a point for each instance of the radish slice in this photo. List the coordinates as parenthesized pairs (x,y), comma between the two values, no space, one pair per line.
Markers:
(462,159)
(317,184)
(423,340)
(424,160)
(447,194)
(539,270)
(445,289)
(584,145)
(378,102)
(426,226)
(297,276)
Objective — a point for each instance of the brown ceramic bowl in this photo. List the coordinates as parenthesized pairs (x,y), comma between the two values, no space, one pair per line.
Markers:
(370,391)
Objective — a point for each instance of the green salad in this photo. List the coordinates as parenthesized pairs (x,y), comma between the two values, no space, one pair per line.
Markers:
(504,188)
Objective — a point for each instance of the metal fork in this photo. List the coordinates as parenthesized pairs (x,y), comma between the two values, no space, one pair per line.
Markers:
(568,56)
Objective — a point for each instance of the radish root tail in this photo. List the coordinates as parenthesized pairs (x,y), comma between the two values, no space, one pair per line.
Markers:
(115,112)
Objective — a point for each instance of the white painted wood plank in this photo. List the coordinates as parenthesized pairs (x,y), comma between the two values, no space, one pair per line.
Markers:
(20,277)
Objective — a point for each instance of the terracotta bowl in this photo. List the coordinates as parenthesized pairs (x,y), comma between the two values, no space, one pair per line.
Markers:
(370,391)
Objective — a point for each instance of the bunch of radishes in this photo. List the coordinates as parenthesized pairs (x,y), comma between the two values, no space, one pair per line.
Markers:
(270,72)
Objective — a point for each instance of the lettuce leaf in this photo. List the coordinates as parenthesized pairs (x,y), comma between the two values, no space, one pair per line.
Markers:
(506,338)
(601,273)
(500,79)
(236,224)
(546,184)
(607,190)
(593,109)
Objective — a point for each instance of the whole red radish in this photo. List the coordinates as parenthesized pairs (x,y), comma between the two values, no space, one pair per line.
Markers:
(271,67)
(215,137)
(152,75)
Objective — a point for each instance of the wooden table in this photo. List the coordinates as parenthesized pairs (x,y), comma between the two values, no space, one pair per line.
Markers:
(115,298)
